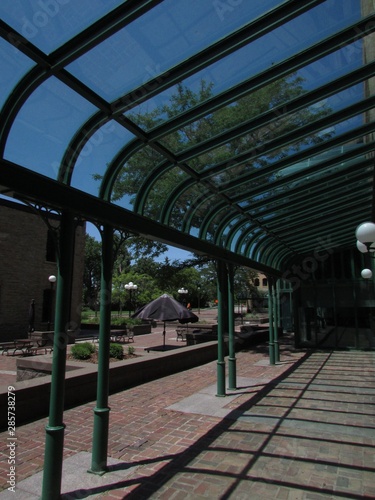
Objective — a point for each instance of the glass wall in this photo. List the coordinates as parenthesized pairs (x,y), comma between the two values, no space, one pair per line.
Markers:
(334,307)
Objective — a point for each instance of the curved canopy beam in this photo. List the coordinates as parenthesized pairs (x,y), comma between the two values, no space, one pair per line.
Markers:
(237,135)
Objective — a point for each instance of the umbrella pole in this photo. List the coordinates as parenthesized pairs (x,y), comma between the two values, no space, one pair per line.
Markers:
(164,337)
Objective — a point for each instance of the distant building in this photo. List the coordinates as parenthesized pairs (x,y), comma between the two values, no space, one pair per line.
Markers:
(259,302)
(27,260)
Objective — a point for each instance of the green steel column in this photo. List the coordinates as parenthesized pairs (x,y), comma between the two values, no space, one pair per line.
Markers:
(221,275)
(275,326)
(101,411)
(54,448)
(271,344)
(232,377)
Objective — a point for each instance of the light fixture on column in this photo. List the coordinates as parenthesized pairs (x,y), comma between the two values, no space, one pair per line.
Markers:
(131,287)
(365,234)
(366,274)
(52,280)
(183,292)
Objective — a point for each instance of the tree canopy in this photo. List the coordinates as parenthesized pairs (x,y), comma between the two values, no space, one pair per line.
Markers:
(243,154)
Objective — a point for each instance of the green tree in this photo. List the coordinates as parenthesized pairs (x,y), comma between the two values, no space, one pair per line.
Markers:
(129,247)
(92,272)
(147,290)
(252,144)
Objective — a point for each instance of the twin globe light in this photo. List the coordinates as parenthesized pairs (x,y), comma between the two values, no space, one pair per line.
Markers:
(365,234)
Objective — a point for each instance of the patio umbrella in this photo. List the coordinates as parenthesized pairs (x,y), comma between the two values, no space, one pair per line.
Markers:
(166,308)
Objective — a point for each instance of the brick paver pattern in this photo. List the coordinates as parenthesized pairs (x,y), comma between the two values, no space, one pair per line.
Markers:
(307,434)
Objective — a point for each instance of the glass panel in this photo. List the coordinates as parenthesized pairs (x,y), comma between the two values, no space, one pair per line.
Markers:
(44,127)
(244,229)
(50,23)
(217,220)
(231,224)
(248,172)
(248,238)
(13,65)
(251,106)
(96,155)
(276,46)
(171,32)
(206,206)
(132,176)
(160,192)
(286,205)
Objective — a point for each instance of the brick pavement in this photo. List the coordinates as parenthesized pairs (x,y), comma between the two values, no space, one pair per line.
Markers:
(303,429)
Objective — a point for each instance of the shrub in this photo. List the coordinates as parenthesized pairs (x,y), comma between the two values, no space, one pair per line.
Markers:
(125,322)
(115,351)
(131,350)
(83,351)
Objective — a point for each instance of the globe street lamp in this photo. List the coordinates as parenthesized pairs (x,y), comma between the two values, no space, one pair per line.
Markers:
(183,292)
(366,274)
(131,287)
(52,280)
(365,234)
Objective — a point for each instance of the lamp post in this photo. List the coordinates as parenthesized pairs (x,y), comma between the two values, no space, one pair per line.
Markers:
(131,287)
(183,292)
(199,297)
(52,280)
(365,234)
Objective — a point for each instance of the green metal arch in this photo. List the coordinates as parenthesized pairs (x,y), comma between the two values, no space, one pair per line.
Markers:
(170,202)
(224,222)
(114,167)
(17,99)
(328,46)
(53,66)
(225,225)
(77,144)
(235,232)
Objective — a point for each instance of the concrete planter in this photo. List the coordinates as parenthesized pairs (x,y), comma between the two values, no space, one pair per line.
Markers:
(140,329)
(137,329)
(81,378)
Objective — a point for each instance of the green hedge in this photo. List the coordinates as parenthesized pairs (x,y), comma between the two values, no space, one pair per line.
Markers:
(83,351)
(116,351)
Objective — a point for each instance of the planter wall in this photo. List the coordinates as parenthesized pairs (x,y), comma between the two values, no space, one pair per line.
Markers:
(137,329)
(80,380)
(140,329)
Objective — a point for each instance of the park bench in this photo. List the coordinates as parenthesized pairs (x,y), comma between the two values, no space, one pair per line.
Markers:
(5,346)
(23,345)
(122,336)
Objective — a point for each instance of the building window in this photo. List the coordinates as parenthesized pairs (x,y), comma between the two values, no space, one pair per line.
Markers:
(256,282)
(264,282)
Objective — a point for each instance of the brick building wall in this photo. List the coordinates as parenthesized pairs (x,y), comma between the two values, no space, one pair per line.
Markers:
(25,268)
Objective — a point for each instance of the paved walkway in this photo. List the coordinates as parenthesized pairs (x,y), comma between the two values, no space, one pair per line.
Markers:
(303,429)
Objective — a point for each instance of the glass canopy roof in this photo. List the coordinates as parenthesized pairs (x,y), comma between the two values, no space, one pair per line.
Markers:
(241,130)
